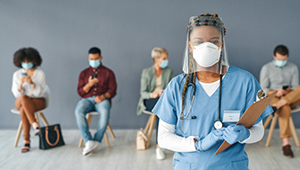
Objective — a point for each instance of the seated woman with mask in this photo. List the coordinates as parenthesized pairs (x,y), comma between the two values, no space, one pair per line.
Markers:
(28,86)
(153,82)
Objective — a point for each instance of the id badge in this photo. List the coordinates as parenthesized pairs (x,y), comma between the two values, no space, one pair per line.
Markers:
(231,115)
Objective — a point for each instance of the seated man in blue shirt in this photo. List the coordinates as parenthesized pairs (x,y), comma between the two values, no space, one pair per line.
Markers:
(282,76)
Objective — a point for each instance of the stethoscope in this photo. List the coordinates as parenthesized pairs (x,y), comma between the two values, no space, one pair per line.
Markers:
(218,124)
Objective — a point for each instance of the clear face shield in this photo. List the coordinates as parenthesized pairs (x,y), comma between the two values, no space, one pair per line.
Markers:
(205,49)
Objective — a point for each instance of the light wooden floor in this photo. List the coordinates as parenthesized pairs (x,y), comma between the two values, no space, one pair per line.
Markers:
(122,155)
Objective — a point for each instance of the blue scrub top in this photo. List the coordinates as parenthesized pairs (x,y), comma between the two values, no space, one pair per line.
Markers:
(239,89)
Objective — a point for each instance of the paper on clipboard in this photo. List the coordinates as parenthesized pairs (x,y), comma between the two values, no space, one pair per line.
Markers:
(250,116)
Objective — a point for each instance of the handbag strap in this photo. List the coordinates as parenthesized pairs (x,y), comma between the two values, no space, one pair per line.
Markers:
(57,139)
(140,133)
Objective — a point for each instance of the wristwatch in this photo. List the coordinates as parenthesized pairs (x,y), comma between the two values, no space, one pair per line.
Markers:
(104,96)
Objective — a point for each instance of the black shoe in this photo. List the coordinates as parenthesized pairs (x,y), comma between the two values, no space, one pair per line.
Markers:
(26,148)
(274,110)
(38,132)
(286,150)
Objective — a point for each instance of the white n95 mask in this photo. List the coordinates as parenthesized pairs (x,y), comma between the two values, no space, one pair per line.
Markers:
(206,54)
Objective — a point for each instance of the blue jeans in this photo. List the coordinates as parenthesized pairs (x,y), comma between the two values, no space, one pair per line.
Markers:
(87,105)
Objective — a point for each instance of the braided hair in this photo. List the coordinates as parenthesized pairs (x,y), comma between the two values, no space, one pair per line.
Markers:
(203,19)
(206,19)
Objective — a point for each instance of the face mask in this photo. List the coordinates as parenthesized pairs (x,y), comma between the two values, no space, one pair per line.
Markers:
(164,64)
(27,66)
(280,63)
(206,54)
(94,63)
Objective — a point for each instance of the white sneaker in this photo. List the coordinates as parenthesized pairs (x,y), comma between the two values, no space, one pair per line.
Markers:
(160,155)
(89,147)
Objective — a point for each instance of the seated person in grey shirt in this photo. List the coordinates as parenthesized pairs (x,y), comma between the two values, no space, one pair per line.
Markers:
(282,76)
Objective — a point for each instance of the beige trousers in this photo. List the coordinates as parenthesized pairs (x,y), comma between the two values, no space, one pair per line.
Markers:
(27,107)
(284,113)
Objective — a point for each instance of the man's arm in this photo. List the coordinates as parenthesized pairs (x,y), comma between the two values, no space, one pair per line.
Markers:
(112,86)
(86,88)
(295,78)
(82,87)
(264,80)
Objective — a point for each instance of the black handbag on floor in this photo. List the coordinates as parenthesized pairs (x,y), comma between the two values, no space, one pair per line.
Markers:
(51,137)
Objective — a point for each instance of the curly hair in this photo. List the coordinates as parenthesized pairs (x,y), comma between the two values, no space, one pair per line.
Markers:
(28,54)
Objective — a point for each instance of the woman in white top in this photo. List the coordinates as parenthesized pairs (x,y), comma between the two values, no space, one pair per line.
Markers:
(28,86)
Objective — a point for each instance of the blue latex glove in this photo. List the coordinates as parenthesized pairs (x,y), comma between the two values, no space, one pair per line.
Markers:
(210,140)
(234,133)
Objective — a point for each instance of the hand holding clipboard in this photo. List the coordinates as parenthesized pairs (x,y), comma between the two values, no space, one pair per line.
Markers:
(250,116)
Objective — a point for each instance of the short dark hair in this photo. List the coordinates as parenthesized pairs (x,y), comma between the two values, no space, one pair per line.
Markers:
(281,49)
(95,50)
(29,54)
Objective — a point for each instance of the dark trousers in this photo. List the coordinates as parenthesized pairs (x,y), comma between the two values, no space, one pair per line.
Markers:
(150,103)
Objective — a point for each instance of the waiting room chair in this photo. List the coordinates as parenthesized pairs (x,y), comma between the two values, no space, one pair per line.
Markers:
(274,120)
(89,118)
(149,127)
(40,112)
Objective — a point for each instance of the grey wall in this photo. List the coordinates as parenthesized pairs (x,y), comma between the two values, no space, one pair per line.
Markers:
(126,31)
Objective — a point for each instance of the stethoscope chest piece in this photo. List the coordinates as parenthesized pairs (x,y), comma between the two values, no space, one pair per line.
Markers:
(218,124)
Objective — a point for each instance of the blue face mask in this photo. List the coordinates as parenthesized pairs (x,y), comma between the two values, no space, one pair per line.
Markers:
(27,66)
(280,63)
(164,64)
(94,63)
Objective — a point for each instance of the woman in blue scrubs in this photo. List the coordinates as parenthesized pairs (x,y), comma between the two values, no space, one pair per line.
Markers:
(193,121)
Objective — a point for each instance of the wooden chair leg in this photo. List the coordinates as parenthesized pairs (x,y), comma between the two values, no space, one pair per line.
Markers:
(18,133)
(43,119)
(267,121)
(80,142)
(111,131)
(294,133)
(37,119)
(274,120)
(152,122)
(106,139)
(147,125)
(88,119)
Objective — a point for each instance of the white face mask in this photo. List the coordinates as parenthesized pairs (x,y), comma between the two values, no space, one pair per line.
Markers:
(206,54)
